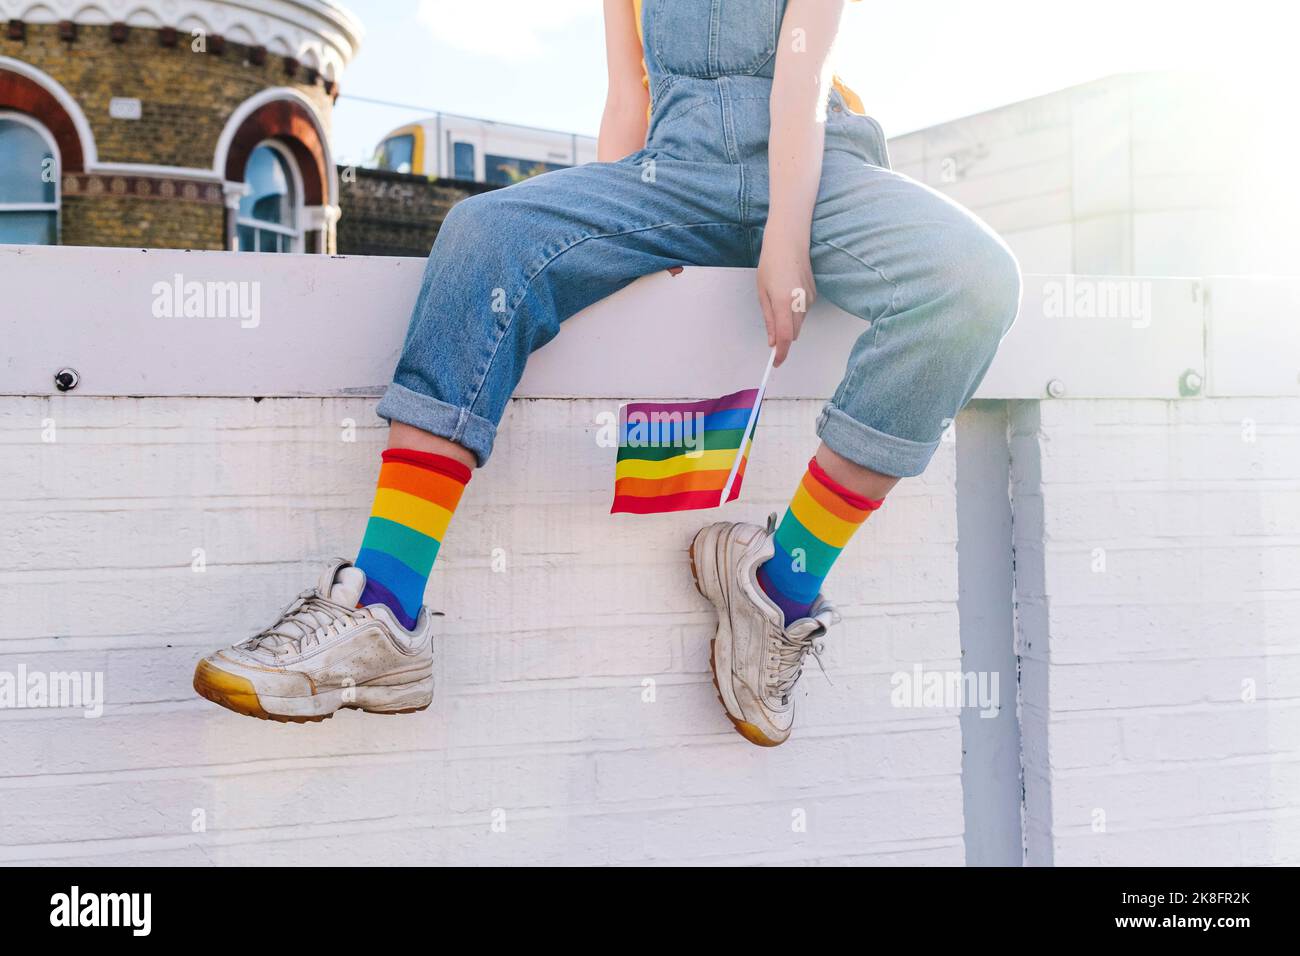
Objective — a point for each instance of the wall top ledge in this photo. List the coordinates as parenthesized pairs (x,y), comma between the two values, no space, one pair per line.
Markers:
(174,323)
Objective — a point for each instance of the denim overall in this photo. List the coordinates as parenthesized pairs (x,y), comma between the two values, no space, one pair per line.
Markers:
(937,288)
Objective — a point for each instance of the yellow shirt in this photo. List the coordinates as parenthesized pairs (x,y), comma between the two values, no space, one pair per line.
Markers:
(851,99)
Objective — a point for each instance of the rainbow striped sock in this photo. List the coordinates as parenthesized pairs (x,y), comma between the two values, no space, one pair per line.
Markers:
(818,524)
(417,493)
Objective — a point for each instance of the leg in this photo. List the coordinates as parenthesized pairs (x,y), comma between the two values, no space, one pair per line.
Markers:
(507,269)
(407,436)
(510,266)
(939,291)
(403,536)
(860,480)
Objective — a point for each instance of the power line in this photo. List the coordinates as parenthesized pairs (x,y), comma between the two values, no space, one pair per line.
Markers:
(400,106)
(428,110)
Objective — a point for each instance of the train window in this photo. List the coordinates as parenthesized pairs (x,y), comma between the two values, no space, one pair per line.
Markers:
(504,170)
(397,154)
(463,161)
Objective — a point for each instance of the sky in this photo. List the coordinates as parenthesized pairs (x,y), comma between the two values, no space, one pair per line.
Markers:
(915,63)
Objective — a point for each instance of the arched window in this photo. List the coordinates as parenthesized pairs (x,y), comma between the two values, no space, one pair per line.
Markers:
(270,213)
(29,182)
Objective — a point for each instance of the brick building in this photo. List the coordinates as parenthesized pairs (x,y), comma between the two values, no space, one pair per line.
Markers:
(199,124)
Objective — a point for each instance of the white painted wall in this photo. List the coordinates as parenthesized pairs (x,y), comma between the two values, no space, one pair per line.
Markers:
(1155,543)
(1130,699)
(539,710)
(1158,601)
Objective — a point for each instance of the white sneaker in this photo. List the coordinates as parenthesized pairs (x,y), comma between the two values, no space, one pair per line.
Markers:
(757,659)
(324,653)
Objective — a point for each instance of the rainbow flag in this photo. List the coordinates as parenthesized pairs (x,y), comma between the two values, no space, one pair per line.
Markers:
(681,456)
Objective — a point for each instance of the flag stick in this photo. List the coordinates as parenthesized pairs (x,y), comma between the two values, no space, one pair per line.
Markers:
(749,427)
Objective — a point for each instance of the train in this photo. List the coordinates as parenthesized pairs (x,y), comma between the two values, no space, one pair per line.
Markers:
(447,146)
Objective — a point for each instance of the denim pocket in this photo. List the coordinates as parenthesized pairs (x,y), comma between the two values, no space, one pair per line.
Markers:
(710,38)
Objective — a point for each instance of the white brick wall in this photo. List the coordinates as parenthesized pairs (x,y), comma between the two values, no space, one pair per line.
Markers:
(1160,704)
(1158,590)
(1156,548)
(538,711)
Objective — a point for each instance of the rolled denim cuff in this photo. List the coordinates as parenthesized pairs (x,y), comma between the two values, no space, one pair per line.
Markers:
(863,445)
(460,425)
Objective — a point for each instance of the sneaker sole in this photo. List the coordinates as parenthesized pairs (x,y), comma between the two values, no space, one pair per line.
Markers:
(743,727)
(239,695)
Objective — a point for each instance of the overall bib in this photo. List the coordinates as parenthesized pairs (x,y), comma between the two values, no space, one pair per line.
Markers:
(936,288)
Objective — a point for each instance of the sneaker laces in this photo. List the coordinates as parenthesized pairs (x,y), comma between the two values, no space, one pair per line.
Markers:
(304,622)
(789,651)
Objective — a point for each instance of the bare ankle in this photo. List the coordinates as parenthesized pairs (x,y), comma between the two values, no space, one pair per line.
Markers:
(859,480)
(408,436)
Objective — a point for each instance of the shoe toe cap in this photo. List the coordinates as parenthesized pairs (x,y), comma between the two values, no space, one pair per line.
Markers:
(760,723)
(266,679)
